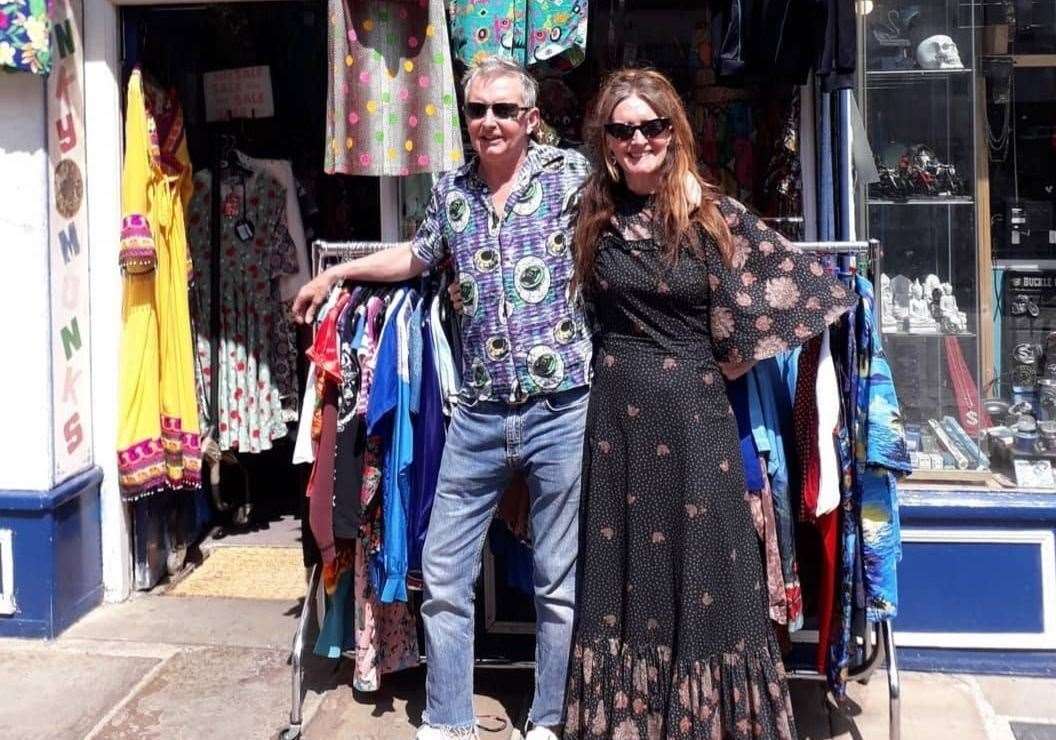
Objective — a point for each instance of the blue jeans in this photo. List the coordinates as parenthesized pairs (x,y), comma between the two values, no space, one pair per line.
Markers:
(486,444)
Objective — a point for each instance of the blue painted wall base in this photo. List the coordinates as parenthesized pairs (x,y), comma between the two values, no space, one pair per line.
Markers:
(976,582)
(57,555)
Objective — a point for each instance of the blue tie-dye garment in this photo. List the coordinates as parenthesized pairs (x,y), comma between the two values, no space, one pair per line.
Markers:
(881,456)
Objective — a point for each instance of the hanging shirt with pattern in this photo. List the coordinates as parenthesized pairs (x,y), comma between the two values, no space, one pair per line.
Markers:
(541,33)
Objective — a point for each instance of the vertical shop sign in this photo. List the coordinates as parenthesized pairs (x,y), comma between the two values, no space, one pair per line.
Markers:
(68,232)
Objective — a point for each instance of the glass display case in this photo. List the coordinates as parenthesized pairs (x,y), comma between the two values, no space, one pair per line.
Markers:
(917,89)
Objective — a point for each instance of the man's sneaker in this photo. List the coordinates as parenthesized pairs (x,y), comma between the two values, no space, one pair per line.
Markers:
(540,733)
(425,732)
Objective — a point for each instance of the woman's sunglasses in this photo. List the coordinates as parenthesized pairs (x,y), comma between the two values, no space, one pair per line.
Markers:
(505,111)
(650,129)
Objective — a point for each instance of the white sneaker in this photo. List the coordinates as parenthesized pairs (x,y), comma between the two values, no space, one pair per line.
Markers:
(539,732)
(425,732)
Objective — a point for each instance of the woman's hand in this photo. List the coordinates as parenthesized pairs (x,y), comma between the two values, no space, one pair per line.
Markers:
(734,370)
(455,291)
(694,193)
(311,297)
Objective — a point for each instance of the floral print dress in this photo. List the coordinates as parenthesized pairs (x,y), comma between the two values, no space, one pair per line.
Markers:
(673,637)
(256,371)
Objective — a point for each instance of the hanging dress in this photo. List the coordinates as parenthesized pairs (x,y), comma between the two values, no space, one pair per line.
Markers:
(255,372)
(391,105)
(673,637)
(158,430)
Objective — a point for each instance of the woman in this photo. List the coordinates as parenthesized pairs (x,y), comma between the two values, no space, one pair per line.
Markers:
(673,638)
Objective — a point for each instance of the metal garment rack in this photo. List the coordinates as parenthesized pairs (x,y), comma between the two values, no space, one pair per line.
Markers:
(322,252)
(877,641)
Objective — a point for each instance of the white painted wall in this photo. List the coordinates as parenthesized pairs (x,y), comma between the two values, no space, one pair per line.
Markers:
(103,121)
(25,375)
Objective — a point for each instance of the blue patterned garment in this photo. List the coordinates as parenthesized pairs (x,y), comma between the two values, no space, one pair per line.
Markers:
(881,456)
(842,649)
(882,434)
(25,43)
(523,332)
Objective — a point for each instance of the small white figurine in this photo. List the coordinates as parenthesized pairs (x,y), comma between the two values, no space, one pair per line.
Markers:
(931,284)
(954,321)
(938,52)
(888,322)
(920,319)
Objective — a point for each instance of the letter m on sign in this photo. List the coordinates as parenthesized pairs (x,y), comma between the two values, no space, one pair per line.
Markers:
(71,338)
(69,243)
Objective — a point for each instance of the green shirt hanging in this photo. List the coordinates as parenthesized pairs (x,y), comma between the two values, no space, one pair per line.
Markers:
(536,33)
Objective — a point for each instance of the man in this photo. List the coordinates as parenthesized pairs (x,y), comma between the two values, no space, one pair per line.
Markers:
(506,218)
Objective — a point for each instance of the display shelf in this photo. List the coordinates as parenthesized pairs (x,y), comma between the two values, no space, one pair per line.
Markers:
(965,200)
(912,73)
(970,335)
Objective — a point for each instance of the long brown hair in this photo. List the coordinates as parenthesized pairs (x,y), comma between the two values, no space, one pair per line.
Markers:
(674,217)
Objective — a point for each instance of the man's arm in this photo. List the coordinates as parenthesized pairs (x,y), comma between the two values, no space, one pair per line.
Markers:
(387,266)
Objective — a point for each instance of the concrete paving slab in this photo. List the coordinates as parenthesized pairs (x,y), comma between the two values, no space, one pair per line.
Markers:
(394,713)
(208,692)
(1033,731)
(62,695)
(245,623)
(933,706)
(1011,696)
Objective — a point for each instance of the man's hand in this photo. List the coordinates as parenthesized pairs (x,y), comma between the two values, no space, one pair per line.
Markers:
(311,297)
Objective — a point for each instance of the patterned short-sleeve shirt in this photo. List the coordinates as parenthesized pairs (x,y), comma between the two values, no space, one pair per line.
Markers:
(534,33)
(524,332)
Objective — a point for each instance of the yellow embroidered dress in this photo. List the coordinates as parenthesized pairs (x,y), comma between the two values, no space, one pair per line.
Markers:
(158,430)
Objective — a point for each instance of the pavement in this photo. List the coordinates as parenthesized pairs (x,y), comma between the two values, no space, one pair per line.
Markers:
(178,667)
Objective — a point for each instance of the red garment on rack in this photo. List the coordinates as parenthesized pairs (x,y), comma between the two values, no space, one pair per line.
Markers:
(321,484)
(805,419)
(828,527)
(324,351)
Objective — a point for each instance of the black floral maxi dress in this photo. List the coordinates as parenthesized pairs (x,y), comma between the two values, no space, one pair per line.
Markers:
(672,636)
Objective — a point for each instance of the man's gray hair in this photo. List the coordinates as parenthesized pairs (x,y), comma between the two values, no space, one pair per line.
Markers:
(495,66)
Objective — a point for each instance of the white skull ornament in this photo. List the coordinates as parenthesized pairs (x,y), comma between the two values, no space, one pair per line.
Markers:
(938,52)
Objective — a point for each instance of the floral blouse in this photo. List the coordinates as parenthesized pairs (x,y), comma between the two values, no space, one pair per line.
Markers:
(25,30)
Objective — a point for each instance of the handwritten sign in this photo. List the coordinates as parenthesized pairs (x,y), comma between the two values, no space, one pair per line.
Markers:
(68,234)
(238,93)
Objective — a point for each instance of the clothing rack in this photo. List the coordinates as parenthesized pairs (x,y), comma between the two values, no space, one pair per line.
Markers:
(323,251)
(876,641)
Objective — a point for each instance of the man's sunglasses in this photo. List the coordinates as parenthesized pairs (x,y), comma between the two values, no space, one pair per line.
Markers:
(504,111)
(650,129)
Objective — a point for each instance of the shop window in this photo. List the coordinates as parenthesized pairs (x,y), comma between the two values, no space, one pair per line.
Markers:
(959,102)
